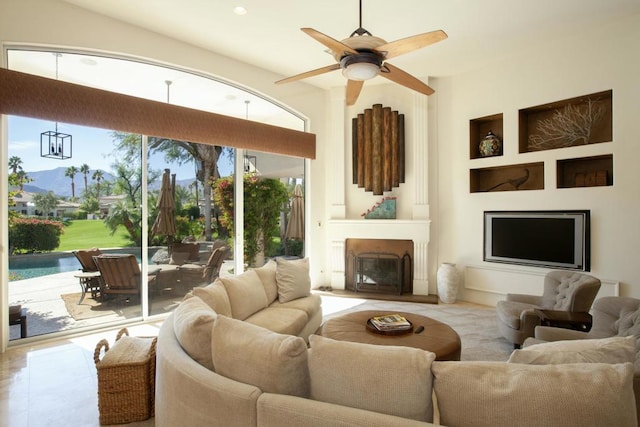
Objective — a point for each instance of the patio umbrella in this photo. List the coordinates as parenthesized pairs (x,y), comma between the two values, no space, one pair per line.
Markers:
(165,222)
(295,227)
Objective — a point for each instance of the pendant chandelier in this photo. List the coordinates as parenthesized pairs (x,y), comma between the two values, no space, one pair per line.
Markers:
(54,144)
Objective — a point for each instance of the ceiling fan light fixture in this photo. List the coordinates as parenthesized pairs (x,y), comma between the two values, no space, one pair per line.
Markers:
(363,66)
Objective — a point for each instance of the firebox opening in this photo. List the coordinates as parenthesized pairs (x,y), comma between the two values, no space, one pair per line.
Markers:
(379,265)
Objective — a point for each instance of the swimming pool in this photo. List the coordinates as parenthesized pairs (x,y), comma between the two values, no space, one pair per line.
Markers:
(35,265)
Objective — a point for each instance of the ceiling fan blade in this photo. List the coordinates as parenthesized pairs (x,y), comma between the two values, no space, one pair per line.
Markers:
(353,90)
(395,74)
(408,44)
(338,48)
(311,73)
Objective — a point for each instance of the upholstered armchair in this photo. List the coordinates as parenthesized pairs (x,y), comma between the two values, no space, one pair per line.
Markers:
(563,291)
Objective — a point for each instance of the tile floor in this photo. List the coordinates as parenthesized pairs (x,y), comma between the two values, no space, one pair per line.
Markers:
(55,383)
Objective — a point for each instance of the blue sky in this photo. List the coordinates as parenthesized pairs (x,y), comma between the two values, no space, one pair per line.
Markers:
(92,146)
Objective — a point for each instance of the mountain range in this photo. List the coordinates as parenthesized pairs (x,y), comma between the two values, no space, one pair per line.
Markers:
(56,181)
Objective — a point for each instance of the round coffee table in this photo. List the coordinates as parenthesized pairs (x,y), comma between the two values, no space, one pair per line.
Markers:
(436,337)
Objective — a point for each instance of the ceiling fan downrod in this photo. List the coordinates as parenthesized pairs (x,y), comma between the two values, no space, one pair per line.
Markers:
(360,31)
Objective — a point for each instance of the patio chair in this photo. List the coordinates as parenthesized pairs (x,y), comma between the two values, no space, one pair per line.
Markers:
(196,275)
(120,275)
(85,258)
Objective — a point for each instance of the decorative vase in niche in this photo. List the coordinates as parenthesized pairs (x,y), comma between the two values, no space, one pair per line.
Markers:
(490,145)
(448,281)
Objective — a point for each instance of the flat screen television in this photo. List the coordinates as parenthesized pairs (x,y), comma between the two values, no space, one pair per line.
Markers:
(552,239)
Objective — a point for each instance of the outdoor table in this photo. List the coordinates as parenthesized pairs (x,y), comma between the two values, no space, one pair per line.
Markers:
(89,281)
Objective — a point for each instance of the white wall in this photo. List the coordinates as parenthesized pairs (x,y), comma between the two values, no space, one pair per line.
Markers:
(597,59)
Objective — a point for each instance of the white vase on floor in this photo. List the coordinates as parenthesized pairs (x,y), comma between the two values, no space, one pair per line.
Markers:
(448,281)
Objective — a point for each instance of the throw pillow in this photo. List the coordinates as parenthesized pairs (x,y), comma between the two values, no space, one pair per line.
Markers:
(192,323)
(292,278)
(246,294)
(605,350)
(273,362)
(215,296)
(267,274)
(500,394)
(389,379)
(178,258)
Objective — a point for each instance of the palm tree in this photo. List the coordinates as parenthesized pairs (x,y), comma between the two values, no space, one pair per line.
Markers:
(85,171)
(71,173)
(23,178)
(15,163)
(97,176)
(126,215)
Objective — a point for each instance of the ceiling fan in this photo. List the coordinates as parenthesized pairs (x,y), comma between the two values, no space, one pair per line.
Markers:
(363,56)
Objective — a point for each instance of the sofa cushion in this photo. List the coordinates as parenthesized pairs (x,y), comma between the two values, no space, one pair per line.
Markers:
(273,362)
(267,274)
(605,350)
(498,394)
(388,379)
(277,410)
(292,278)
(246,294)
(280,319)
(215,296)
(193,322)
(310,305)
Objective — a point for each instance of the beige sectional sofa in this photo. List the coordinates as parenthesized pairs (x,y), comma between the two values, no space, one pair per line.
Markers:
(232,356)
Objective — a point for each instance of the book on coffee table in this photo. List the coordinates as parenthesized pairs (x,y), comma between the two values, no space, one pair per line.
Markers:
(390,322)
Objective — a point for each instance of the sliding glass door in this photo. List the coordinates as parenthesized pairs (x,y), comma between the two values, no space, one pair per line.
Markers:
(107,226)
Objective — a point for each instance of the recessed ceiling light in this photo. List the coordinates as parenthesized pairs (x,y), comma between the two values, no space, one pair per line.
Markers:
(239,10)
(88,61)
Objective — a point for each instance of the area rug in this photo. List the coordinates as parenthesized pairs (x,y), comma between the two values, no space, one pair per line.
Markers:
(90,308)
(475,324)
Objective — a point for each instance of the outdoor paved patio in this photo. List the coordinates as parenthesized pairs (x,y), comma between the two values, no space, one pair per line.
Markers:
(46,311)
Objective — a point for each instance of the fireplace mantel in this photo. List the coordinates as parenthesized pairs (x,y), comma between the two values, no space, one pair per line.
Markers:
(416,230)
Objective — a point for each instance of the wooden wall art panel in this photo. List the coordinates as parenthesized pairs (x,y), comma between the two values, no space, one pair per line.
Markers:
(378,149)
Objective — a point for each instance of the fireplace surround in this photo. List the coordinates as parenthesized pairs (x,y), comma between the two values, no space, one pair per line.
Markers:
(415,231)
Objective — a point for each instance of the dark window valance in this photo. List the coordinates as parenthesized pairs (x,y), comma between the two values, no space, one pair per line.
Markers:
(28,95)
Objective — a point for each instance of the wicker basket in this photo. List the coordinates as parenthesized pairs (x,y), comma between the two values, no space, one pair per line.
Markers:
(126,378)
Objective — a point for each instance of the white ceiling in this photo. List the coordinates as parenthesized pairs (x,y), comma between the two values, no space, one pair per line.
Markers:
(269,36)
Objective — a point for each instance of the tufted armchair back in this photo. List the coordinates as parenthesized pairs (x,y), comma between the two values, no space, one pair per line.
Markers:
(619,316)
(569,291)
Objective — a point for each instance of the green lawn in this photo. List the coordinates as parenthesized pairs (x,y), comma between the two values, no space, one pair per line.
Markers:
(83,234)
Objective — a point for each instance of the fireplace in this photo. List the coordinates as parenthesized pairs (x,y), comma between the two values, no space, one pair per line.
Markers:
(379,265)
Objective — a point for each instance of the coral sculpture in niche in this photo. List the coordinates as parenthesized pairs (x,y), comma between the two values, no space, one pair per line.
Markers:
(569,126)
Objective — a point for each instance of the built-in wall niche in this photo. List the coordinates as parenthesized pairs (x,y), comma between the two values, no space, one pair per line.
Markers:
(479,128)
(525,176)
(585,171)
(571,122)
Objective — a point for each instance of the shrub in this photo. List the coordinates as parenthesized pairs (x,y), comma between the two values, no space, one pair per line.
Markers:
(263,202)
(28,235)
